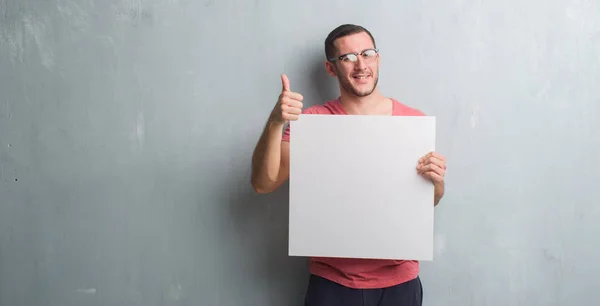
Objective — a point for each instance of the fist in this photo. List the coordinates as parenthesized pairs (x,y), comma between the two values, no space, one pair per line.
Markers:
(289,104)
(433,167)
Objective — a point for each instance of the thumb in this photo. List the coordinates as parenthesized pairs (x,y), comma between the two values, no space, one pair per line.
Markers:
(285,82)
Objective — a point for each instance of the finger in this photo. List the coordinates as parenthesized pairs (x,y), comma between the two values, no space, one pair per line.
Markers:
(432,167)
(290,110)
(285,83)
(292,95)
(433,158)
(436,155)
(289,116)
(432,154)
(434,176)
(424,157)
(291,103)
(426,160)
(436,161)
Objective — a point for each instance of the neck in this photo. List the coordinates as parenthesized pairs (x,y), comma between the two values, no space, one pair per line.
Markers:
(373,104)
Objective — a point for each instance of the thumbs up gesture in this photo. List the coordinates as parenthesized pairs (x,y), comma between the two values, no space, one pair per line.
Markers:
(289,104)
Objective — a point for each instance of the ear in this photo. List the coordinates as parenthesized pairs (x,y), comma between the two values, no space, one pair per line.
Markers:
(330,68)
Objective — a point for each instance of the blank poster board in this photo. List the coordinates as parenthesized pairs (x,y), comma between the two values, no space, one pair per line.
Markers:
(354,188)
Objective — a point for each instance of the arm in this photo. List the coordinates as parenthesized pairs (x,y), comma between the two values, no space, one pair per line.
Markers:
(271,157)
(438,193)
(270,160)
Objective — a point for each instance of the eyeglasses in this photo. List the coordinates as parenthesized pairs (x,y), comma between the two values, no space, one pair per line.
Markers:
(368,54)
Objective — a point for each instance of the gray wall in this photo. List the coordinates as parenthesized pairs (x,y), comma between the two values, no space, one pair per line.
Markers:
(127,126)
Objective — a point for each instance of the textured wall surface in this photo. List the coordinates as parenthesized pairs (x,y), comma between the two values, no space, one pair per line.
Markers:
(127,126)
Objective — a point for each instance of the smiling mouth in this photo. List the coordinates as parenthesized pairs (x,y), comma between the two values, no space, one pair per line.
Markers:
(361,77)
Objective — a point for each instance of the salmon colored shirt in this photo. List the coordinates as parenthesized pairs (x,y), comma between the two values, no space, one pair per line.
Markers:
(361,273)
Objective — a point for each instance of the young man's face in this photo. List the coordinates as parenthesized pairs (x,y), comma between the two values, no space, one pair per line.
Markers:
(356,77)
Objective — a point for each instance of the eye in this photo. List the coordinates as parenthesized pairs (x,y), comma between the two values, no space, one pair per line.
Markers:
(350,58)
(369,53)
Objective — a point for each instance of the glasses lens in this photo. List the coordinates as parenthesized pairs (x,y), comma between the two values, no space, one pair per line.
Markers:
(350,58)
(370,53)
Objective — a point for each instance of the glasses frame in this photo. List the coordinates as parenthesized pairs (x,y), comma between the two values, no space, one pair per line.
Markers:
(341,57)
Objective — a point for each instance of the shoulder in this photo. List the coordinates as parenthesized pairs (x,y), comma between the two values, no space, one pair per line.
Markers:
(401,109)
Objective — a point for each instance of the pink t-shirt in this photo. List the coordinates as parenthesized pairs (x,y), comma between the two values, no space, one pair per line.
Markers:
(361,273)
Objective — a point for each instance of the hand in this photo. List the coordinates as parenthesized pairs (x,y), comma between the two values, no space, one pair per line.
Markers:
(433,167)
(289,104)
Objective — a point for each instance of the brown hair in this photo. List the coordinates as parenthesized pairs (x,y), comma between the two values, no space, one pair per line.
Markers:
(341,31)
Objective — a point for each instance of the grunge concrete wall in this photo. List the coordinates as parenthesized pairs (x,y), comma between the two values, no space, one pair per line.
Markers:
(127,126)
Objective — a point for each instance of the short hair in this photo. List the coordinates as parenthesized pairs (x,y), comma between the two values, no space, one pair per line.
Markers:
(341,31)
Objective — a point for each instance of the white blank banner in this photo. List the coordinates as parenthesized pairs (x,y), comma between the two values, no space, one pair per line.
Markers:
(354,188)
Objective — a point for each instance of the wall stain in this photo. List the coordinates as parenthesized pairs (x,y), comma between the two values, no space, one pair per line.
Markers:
(27,31)
(36,30)
(75,13)
(133,12)
(7,110)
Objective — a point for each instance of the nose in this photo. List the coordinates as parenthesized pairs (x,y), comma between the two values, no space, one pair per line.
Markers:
(360,64)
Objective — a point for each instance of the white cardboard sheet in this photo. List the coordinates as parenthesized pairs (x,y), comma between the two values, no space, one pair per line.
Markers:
(354,188)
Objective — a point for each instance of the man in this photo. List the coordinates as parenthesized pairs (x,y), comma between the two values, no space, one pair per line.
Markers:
(353,59)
